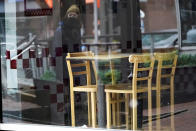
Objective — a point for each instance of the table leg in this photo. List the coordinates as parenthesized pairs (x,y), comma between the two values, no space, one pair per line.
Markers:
(101,106)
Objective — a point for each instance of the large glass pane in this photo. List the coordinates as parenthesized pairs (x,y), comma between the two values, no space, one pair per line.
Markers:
(97,63)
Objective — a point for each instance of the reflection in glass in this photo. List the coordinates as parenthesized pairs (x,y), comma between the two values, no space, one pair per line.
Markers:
(35,77)
(187,16)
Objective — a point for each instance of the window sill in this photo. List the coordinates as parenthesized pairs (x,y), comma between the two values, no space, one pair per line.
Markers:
(188,48)
(37,127)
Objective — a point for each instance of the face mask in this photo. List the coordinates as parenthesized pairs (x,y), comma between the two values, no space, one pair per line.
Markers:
(72,22)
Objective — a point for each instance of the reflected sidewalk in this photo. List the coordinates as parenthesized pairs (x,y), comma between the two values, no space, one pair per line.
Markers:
(184,118)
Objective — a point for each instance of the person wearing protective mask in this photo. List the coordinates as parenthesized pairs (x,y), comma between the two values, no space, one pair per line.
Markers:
(71,36)
(71,29)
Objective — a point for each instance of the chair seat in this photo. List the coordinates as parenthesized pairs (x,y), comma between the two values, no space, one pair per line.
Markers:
(119,85)
(163,87)
(125,89)
(88,88)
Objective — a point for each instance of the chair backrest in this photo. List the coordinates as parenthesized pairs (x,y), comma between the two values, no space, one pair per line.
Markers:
(166,61)
(82,64)
(147,64)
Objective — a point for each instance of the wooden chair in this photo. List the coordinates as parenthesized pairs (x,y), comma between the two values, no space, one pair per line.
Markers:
(89,88)
(133,90)
(166,61)
(116,99)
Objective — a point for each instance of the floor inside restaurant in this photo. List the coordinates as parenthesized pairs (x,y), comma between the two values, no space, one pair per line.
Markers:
(185,115)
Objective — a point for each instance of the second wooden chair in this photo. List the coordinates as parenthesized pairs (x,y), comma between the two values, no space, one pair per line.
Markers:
(134,89)
(165,70)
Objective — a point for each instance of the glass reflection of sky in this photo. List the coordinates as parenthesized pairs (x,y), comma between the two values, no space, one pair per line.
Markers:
(15,0)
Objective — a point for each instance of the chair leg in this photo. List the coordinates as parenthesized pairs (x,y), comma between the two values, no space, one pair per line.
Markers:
(127,110)
(114,110)
(131,113)
(158,109)
(118,109)
(172,106)
(93,105)
(108,106)
(89,109)
(149,108)
(72,108)
(134,104)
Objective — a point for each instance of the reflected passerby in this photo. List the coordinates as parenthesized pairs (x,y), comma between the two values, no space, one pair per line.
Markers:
(71,29)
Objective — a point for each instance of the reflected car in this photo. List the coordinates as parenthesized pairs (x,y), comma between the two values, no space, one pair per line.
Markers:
(159,40)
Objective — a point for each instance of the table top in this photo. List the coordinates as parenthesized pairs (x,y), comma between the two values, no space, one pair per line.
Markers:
(101,57)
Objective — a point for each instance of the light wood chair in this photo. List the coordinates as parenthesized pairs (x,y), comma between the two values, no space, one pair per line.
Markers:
(89,88)
(116,99)
(166,61)
(134,90)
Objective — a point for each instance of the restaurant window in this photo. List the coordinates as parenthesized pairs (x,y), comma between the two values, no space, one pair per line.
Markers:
(77,63)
